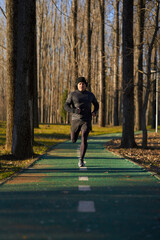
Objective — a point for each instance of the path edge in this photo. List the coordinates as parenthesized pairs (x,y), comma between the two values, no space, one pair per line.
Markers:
(154,174)
(34,160)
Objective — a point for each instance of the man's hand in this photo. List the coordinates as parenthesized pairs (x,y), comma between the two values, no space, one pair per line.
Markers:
(77,110)
(93,114)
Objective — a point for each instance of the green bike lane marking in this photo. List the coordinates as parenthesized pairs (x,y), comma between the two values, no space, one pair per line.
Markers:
(43,203)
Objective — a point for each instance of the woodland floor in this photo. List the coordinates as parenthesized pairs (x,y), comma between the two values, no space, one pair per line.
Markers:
(148,158)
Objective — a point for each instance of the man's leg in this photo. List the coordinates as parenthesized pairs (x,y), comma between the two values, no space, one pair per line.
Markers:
(84,144)
(84,136)
(75,129)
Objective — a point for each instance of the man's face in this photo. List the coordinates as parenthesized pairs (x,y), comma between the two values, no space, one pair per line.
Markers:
(81,86)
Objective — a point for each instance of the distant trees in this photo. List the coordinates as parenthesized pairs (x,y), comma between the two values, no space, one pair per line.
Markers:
(80,38)
(66,53)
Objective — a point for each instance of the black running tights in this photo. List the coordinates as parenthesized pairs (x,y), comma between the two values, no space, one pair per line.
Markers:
(84,144)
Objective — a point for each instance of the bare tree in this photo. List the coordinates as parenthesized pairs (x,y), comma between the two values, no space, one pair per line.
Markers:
(75,63)
(88,36)
(140,43)
(59,55)
(40,20)
(128,140)
(102,105)
(150,48)
(22,146)
(35,99)
(12,16)
(116,65)
(2,69)
(153,83)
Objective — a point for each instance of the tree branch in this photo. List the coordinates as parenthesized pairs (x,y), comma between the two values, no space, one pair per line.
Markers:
(2,47)
(100,5)
(60,10)
(3,12)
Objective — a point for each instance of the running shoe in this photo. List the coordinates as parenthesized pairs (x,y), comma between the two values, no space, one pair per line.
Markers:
(81,163)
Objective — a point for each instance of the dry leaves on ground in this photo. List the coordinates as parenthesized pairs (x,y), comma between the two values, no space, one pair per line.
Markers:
(149,158)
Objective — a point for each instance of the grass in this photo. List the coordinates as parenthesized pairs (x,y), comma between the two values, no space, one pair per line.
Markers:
(45,136)
(49,135)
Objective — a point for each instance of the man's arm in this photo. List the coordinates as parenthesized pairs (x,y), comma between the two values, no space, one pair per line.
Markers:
(96,106)
(69,103)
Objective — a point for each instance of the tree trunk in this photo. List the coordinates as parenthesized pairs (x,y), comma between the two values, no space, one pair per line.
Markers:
(88,35)
(12,15)
(116,68)
(128,140)
(153,123)
(40,47)
(144,109)
(75,62)
(3,76)
(35,108)
(22,146)
(102,105)
(141,14)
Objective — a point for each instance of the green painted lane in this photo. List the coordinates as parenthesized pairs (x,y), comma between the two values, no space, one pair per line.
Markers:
(42,202)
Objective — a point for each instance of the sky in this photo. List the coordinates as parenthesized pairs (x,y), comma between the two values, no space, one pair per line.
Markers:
(2,5)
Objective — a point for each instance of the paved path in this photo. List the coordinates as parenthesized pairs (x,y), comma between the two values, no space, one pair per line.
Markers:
(110,199)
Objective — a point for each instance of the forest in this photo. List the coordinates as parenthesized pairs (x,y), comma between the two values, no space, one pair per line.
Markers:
(46,44)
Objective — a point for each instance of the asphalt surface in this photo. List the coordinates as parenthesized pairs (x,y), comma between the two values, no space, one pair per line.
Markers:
(112,198)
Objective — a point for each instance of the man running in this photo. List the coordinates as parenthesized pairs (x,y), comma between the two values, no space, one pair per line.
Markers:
(79,104)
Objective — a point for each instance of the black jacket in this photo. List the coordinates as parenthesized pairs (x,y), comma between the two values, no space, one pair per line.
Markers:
(83,101)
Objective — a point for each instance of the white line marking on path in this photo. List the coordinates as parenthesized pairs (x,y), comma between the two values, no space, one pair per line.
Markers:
(83,178)
(84,188)
(86,206)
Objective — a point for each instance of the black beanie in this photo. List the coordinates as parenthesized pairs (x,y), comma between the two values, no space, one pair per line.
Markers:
(81,79)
